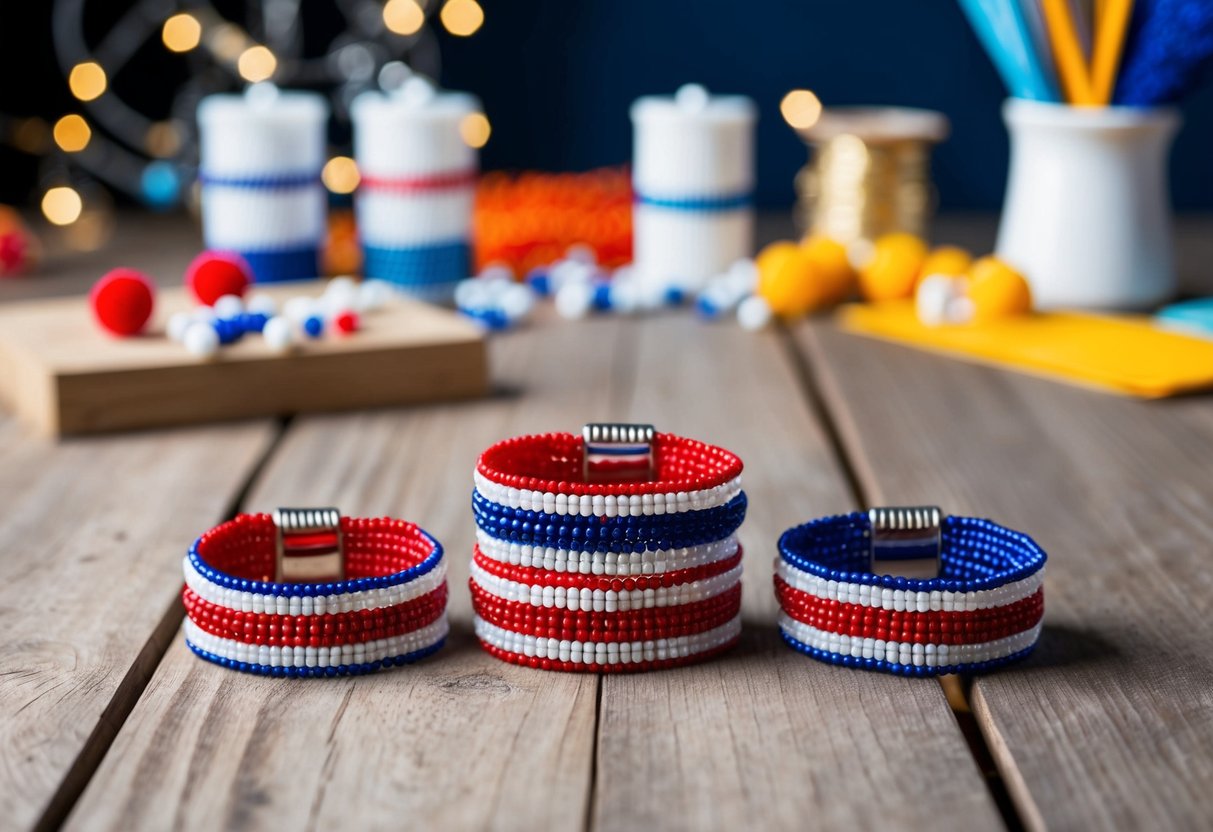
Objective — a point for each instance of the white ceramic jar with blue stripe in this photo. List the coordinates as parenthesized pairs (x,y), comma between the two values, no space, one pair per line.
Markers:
(693,177)
(261,157)
(418,178)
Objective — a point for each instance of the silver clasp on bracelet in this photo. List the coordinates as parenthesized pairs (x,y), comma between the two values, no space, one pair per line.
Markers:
(310,548)
(618,452)
(906,541)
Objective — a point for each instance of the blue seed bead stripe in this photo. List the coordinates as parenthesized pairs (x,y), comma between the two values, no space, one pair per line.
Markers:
(314,672)
(608,534)
(263,183)
(708,204)
(310,590)
(977,554)
(418,266)
(897,668)
(278,265)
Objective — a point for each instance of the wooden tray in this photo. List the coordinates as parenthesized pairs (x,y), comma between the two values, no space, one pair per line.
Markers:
(63,375)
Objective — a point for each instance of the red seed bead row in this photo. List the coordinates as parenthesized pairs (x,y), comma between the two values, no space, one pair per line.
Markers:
(628,625)
(533,576)
(552,462)
(326,630)
(629,667)
(933,627)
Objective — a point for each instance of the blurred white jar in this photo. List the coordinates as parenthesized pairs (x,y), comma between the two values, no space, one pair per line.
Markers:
(261,154)
(1087,216)
(414,203)
(693,177)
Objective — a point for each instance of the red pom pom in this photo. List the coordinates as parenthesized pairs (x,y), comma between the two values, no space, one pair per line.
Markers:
(122,301)
(346,322)
(213,274)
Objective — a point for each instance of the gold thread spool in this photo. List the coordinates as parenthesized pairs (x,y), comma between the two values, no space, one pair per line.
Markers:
(868,172)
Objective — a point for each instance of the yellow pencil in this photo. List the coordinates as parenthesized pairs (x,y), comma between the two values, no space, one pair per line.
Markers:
(1067,53)
(1110,30)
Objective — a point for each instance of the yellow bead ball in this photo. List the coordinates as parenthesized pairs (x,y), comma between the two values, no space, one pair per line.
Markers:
(953,261)
(831,266)
(892,270)
(787,280)
(997,291)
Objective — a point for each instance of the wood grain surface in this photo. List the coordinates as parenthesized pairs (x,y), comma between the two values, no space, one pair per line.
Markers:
(766,738)
(92,534)
(1110,723)
(461,740)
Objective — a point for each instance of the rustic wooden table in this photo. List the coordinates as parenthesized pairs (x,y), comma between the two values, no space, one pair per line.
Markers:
(107,721)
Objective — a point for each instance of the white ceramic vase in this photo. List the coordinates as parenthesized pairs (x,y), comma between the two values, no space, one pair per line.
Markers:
(1087,216)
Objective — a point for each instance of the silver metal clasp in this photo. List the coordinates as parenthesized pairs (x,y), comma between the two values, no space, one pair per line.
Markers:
(310,545)
(906,541)
(618,452)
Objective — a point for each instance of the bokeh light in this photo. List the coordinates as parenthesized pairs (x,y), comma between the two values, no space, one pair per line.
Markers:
(462,17)
(340,175)
(62,205)
(72,133)
(181,32)
(475,129)
(163,139)
(404,17)
(87,80)
(801,109)
(257,63)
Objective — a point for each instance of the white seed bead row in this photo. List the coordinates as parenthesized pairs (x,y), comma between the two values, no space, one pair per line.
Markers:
(369,651)
(607,505)
(367,599)
(905,653)
(605,600)
(901,600)
(605,563)
(600,652)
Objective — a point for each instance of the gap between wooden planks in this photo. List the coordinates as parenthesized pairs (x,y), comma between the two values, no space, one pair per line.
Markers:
(763,737)
(1110,724)
(91,535)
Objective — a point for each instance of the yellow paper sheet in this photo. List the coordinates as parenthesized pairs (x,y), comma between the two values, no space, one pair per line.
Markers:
(1129,355)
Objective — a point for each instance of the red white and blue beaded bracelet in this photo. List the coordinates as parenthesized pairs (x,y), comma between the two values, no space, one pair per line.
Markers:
(611,551)
(308,593)
(977,602)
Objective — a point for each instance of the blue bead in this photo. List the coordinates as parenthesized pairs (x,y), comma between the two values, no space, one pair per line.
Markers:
(313,327)
(228,330)
(675,296)
(602,296)
(707,309)
(253,321)
(540,281)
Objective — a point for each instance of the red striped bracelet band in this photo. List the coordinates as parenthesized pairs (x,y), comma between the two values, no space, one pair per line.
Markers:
(306,592)
(976,600)
(642,593)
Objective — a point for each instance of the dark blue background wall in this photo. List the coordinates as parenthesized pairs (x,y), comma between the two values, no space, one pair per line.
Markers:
(557,76)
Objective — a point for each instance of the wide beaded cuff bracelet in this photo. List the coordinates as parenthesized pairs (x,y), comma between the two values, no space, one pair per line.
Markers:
(982,609)
(306,592)
(611,551)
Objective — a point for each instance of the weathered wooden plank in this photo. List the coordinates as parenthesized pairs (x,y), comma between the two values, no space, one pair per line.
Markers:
(458,741)
(1110,724)
(765,738)
(88,586)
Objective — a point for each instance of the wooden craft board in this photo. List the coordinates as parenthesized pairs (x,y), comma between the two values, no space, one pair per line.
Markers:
(60,373)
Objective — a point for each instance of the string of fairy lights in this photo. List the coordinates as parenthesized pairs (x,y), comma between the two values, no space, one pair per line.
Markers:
(104,141)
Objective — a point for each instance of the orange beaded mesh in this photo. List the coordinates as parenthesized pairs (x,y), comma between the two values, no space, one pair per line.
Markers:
(531,219)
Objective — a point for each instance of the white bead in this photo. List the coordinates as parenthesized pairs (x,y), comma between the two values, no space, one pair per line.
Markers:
(279,334)
(299,309)
(228,306)
(178,323)
(754,313)
(934,296)
(625,296)
(574,300)
(201,340)
(260,303)
(373,294)
(516,301)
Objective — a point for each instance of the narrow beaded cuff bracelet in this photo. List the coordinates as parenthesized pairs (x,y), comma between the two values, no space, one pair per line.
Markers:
(613,551)
(982,609)
(309,593)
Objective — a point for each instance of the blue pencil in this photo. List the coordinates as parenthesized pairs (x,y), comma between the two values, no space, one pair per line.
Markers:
(1003,30)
